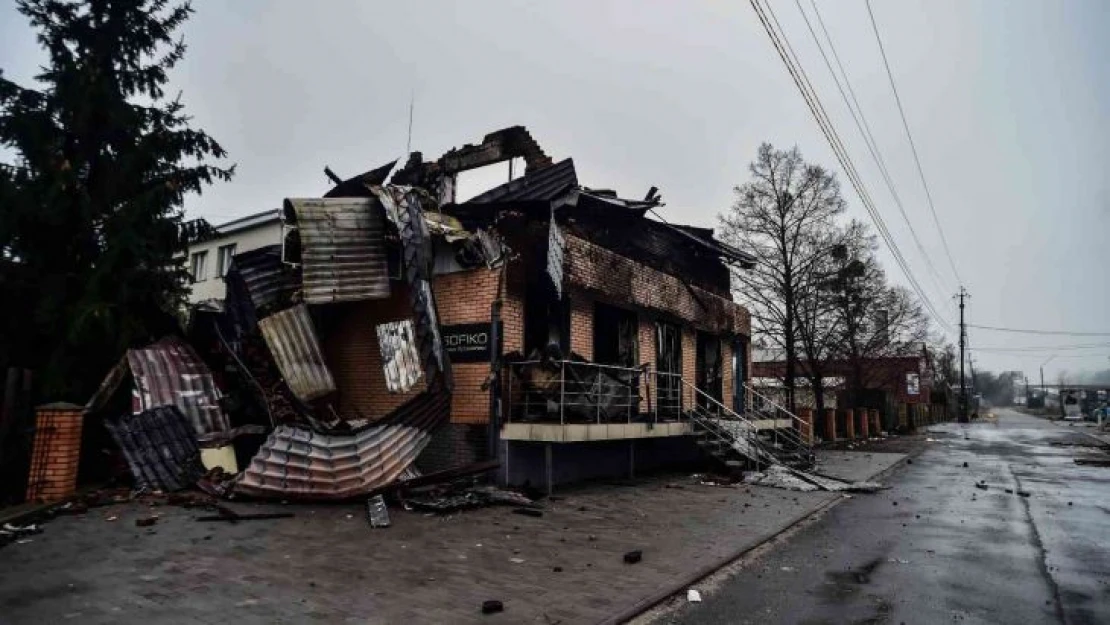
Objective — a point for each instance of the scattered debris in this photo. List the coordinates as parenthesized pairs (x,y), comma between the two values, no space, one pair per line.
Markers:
(1023,493)
(632,557)
(1093,462)
(452,498)
(10,533)
(557,569)
(492,606)
(965,465)
(111,518)
(1010,491)
(146,521)
(788,569)
(532,512)
(781,476)
(160,447)
(231,516)
(898,561)
(516,560)
(376,512)
(981,485)
(693,596)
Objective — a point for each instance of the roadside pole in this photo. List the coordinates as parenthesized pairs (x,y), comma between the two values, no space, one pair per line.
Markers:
(962,417)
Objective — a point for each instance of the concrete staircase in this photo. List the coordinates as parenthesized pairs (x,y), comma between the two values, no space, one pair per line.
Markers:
(751,441)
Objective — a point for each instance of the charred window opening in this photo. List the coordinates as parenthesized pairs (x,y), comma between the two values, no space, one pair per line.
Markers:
(668,364)
(707,371)
(546,320)
(615,336)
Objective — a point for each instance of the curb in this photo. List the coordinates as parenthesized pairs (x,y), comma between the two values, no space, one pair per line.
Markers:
(672,590)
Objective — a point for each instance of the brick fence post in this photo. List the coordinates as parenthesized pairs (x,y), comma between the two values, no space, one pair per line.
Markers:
(850,423)
(876,423)
(903,417)
(864,423)
(56,451)
(830,424)
(806,415)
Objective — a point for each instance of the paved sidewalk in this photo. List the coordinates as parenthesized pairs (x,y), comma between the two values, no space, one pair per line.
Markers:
(328,565)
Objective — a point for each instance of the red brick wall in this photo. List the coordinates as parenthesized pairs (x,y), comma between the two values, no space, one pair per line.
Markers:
(726,371)
(633,285)
(55,455)
(351,344)
(689,366)
(582,325)
(466,297)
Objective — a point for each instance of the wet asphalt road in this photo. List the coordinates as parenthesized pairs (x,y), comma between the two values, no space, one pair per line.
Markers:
(936,549)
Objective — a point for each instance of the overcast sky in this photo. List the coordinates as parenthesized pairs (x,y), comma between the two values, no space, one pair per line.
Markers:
(1009,103)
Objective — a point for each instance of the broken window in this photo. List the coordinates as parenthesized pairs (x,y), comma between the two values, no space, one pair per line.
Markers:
(707,371)
(615,336)
(668,365)
(400,359)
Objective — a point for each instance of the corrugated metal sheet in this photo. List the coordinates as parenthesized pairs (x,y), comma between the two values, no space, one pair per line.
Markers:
(266,279)
(301,463)
(342,249)
(292,340)
(160,448)
(542,185)
(169,372)
(400,359)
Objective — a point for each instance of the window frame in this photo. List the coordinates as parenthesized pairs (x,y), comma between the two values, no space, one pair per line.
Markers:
(202,256)
(221,266)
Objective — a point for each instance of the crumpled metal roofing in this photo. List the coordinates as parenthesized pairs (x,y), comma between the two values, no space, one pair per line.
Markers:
(343,255)
(160,448)
(543,185)
(292,340)
(168,373)
(299,462)
(263,277)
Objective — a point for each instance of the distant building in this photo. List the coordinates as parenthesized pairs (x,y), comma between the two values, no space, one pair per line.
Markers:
(209,259)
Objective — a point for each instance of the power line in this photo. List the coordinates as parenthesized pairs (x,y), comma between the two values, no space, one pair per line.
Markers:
(1040,332)
(1043,348)
(865,131)
(913,146)
(813,102)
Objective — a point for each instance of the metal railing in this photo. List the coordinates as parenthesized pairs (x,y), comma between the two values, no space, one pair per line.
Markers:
(566,391)
(791,436)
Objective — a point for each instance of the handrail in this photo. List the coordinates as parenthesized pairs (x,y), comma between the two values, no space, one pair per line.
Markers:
(774,404)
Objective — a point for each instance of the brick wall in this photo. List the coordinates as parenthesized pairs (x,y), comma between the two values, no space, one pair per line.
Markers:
(727,379)
(350,347)
(689,365)
(582,325)
(56,453)
(647,356)
(619,279)
(351,344)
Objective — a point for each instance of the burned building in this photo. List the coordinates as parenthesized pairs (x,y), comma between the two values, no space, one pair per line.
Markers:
(558,331)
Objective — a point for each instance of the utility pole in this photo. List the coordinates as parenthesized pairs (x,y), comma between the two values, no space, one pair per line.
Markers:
(962,295)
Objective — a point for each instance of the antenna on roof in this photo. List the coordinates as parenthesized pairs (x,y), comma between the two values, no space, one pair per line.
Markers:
(412,101)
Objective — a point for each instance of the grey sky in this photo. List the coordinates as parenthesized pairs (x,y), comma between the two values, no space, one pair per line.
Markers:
(1009,102)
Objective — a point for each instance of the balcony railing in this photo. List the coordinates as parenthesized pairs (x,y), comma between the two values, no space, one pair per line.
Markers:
(565,391)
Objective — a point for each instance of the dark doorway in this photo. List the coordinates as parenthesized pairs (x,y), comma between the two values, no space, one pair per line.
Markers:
(707,371)
(668,365)
(546,321)
(739,374)
(615,336)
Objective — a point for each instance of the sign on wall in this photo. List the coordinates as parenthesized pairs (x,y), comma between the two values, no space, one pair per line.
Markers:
(913,383)
(467,342)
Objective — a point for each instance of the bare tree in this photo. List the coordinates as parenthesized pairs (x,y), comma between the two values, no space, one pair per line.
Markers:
(777,217)
(878,320)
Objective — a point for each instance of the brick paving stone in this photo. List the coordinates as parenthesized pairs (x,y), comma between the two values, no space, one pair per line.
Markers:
(322,566)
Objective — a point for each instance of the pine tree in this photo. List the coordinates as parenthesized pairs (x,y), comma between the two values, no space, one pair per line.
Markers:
(92,207)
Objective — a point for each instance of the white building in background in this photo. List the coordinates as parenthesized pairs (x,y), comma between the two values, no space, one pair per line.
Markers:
(208,261)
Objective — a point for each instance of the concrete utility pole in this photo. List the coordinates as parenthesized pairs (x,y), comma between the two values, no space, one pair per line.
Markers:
(963,344)
(1044,391)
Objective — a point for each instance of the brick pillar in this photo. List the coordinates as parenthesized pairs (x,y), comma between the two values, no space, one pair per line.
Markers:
(830,424)
(876,423)
(57,448)
(850,423)
(903,417)
(806,415)
(864,423)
